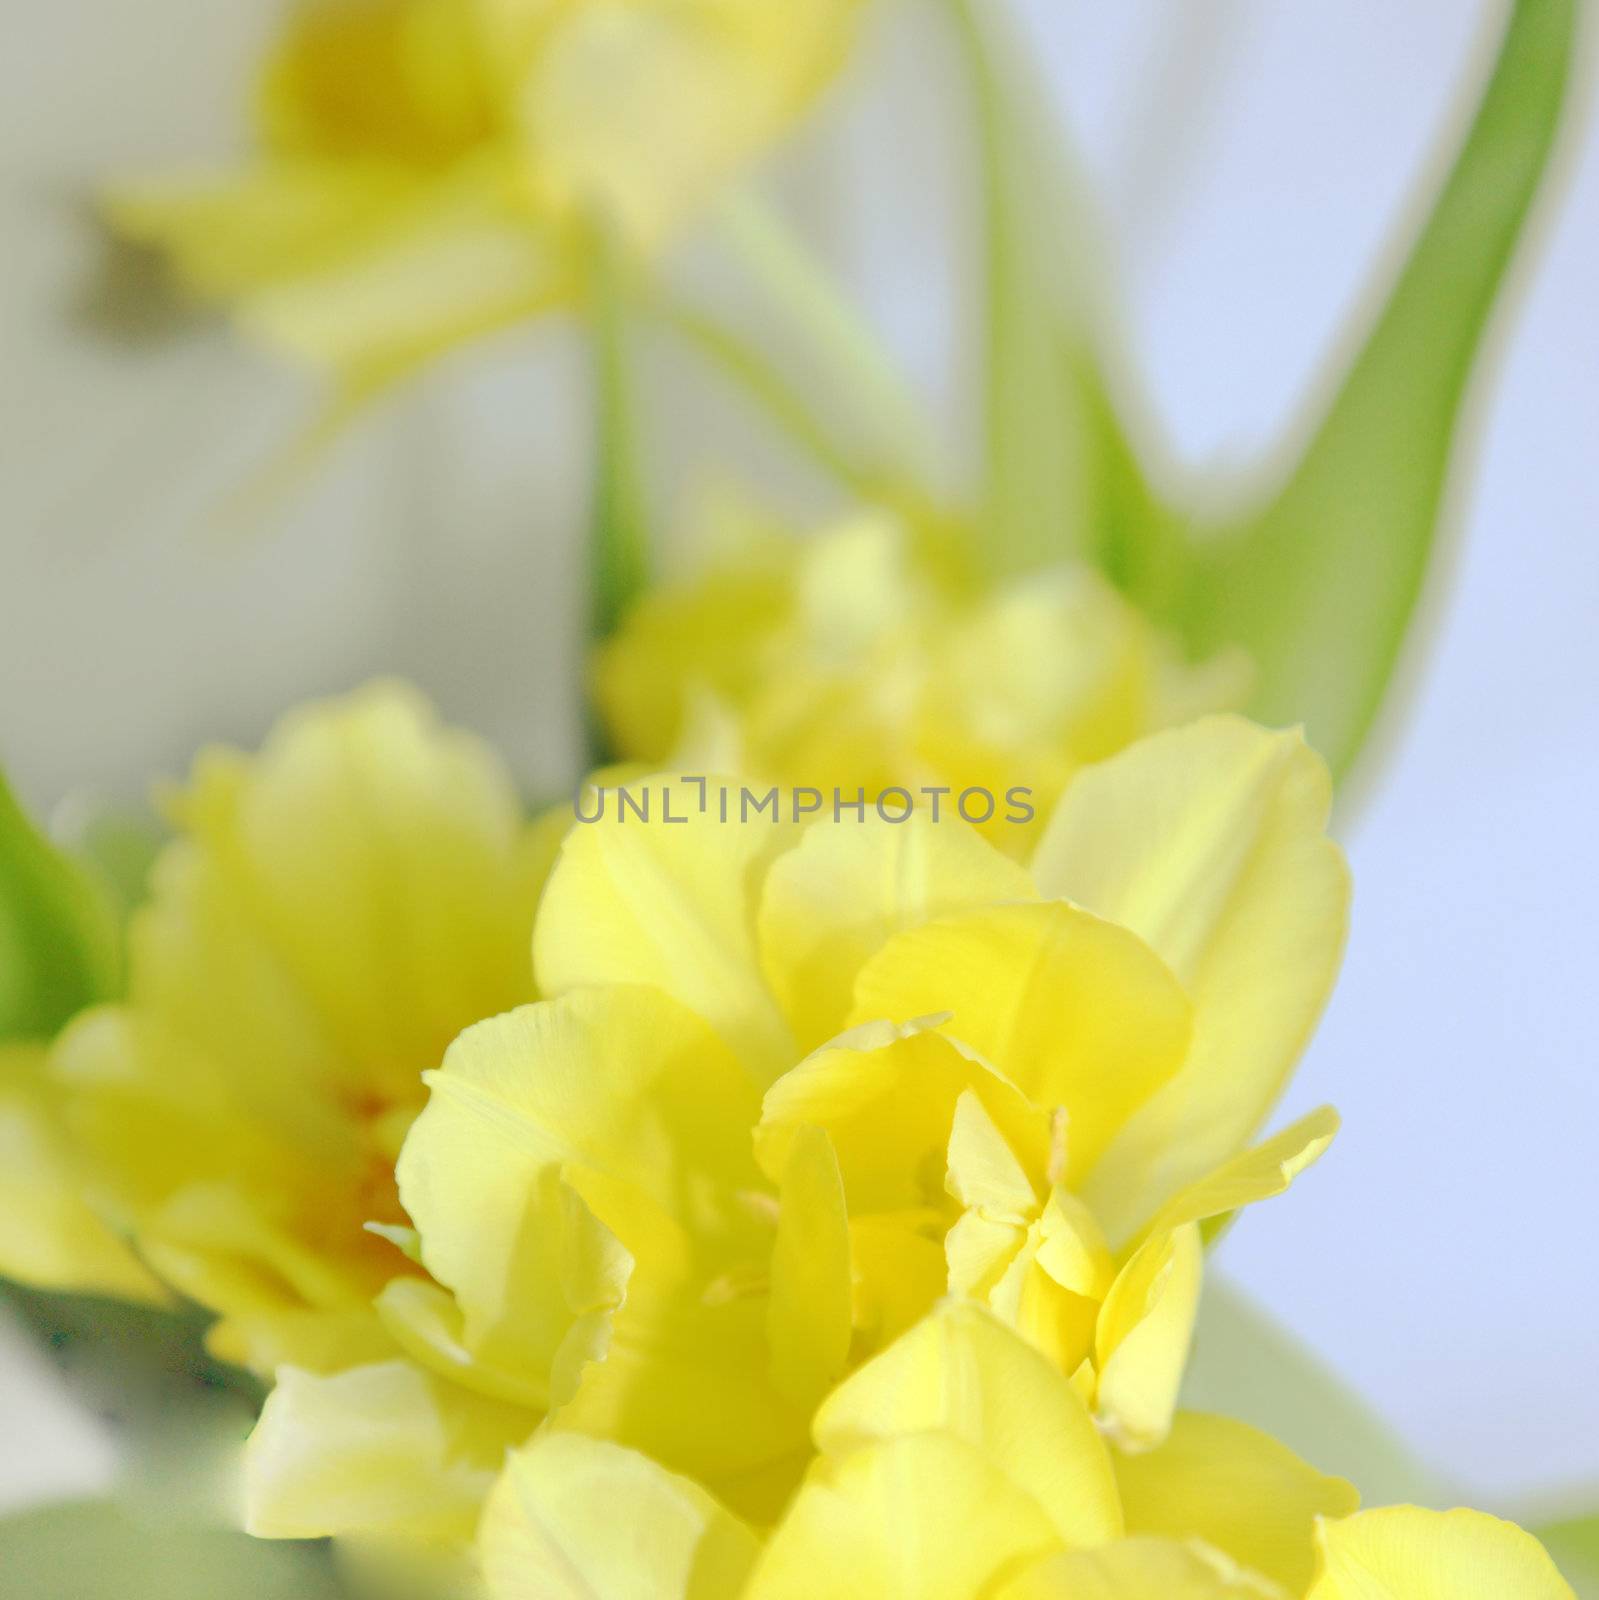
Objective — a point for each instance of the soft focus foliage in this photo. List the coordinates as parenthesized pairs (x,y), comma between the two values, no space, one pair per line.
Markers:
(431,169)
(868,657)
(59,948)
(330,914)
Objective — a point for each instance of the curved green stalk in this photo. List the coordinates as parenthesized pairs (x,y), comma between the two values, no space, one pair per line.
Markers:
(618,532)
(859,370)
(1038,478)
(1322,584)
(759,379)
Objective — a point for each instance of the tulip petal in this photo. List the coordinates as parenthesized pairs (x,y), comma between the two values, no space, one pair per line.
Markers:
(809,1313)
(1141,1344)
(1258,1174)
(376,1448)
(886,1096)
(846,889)
(50,1236)
(1238,1490)
(1209,843)
(642,902)
(1404,1553)
(1140,1569)
(573,1518)
(963,1372)
(606,1101)
(923,1517)
(357,268)
(1075,1011)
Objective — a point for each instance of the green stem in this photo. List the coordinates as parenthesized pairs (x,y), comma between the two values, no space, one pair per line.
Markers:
(848,349)
(759,378)
(618,529)
(1037,490)
(618,533)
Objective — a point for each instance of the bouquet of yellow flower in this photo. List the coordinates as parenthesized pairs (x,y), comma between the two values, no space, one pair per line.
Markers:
(788,1167)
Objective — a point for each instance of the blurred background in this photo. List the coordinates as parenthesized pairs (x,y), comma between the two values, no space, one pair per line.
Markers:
(1253,161)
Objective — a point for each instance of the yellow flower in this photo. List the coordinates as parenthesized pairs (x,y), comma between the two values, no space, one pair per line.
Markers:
(960,1465)
(1034,1090)
(331,913)
(1402,1553)
(428,169)
(50,1235)
(866,656)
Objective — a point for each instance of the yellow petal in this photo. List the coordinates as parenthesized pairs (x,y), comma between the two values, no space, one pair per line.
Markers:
(617,1084)
(573,1518)
(1404,1553)
(808,1317)
(643,112)
(425,1321)
(984,1174)
(231,234)
(459,266)
(886,1096)
(672,905)
(50,1236)
(412,83)
(901,1269)
(1145,1327)
(1140,1569)
(419,827)
(922,1517)
(1075,1011)
(1258,1174)
(1209,843)
(846,889)
(963,1372)
(376,1448)
(1237,1489)
(687,1380)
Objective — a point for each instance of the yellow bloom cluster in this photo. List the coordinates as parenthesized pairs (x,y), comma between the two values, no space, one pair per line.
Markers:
(331,914)
(430,169)
(833,1226)
(867,655)
(959,1465)
(793,1085)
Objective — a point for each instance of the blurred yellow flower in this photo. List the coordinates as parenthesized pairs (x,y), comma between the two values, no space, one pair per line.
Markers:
(332,912)
(959,1465)
(430,169)
(867,656)
(50,1236)
(1033,1090)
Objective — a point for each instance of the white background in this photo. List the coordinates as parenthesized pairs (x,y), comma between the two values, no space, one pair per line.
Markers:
(1252,157)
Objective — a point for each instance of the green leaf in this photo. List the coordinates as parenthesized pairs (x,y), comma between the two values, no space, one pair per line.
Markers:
(1244,1365)
(1574,1544)
(59,935)
(1321,585)
(1036,502)
(618,534)
(100,1550)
